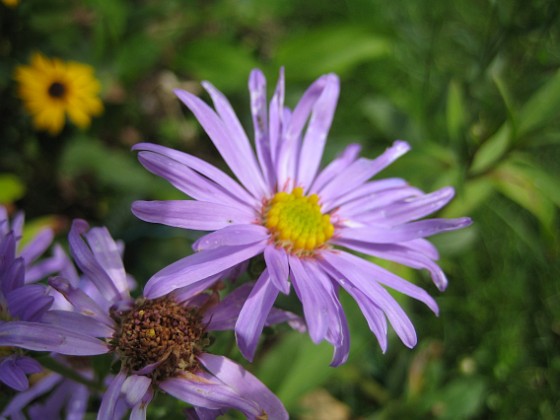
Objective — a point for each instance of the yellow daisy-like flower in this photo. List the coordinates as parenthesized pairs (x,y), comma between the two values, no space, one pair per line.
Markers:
(51,89)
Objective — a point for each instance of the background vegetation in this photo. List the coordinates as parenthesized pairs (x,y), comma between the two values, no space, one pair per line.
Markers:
(473,85)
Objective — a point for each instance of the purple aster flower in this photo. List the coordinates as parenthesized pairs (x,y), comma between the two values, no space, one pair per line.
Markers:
(36,268)
(58,394)
(23,309)
(301,218)
(161,343)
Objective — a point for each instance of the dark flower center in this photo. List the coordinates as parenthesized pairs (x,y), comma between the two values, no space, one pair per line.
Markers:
(159,332)
(57,90)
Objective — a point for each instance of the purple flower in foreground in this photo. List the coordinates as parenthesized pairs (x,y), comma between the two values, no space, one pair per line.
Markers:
(23,309)
(161,342)
(301,218)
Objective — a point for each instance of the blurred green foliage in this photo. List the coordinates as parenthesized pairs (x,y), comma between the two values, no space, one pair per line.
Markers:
(474,86)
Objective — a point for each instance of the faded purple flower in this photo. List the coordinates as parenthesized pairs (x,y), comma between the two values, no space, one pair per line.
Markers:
(301,218)
(161,343)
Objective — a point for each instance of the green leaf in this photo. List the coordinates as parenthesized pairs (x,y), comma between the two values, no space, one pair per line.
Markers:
(112,168)
(11,188)
(336,49)
(455,111)
(224,64)
(474,193)
(544,181)
(519,186)
(112,16)
(136,57)
(462,398)
(541,108)
(295,366)
(538,111)
(492,150)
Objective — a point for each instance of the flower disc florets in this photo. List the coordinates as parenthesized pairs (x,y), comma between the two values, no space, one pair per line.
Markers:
(159,332)
(296,221)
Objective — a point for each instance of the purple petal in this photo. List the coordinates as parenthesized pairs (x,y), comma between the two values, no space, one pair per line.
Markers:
(197,267)
(288,160)
(277,263)
(257,89)
(81,301)
(238,144)
(231,150)
(350,274)
(235,235)
(316,302)
(139,410)
(134,388)
(416,207)
(13,375)
(245,384)
(374,316)
(191,214)
(14,276)
(403,233)
(109,403)
(44,337)
(30,302)
(108,255)
(17,226)
(279,316)
(402,254)
(382,276)
(37,246)
(224,315)
(337,333)
(77,405)
(317,130)
(86,260)
(188,292)
(253,315)
(77,322)
(193,176)
(22,399)
(340,163)
(198,392)
(276,120)
(360,171)
(45,267)
(370,208)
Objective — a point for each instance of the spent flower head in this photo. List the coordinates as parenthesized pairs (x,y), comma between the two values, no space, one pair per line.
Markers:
(304,220)
(52,89)
(162,343)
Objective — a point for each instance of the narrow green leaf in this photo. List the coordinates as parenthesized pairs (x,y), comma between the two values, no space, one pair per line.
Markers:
(455,111)
(542,107)
(492,150)
(519,186)
(225,64)
(330,49)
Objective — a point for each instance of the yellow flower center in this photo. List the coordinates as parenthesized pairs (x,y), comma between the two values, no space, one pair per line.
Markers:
(296,222)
